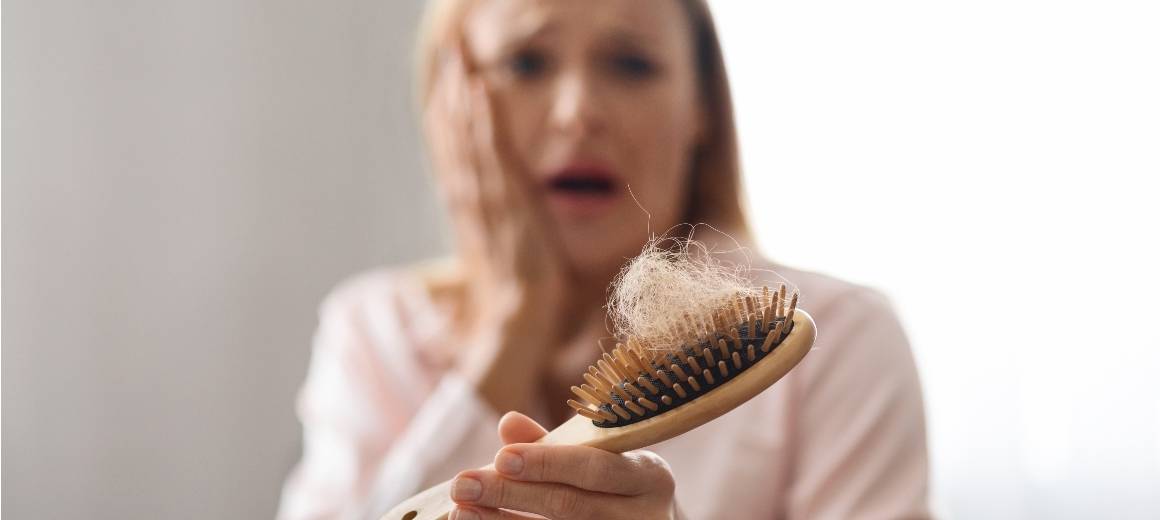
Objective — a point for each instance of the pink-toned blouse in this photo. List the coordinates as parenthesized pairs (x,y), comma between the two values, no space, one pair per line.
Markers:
(842,436)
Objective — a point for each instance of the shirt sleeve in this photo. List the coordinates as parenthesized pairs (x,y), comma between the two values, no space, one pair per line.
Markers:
(369,417)
(860,438)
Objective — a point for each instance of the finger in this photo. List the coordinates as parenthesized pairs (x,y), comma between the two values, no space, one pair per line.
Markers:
(435,125)
(494,155)
(516,427)
(505,204)
(487,513)
(461,47)
(457,108)
(583,467)
(484,127)
(445,129)
(487,489)
(442,125)
(493,173)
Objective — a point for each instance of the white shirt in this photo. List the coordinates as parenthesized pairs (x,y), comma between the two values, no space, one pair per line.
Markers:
(842,436)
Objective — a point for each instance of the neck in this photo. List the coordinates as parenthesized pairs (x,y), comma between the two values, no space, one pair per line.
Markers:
(588,296)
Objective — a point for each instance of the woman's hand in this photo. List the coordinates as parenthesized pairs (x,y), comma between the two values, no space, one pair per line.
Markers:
(563,482)
(518,288)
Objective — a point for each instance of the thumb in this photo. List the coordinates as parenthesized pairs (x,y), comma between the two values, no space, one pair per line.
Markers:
(516,427)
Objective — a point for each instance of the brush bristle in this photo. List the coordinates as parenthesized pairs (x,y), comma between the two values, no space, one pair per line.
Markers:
(633,382)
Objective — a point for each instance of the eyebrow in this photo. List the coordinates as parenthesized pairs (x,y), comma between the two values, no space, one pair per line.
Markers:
(528,29)
(631,37)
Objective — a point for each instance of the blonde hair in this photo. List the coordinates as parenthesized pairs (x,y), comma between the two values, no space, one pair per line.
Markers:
(715,196)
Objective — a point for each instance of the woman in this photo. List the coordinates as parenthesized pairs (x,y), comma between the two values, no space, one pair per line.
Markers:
(541,116)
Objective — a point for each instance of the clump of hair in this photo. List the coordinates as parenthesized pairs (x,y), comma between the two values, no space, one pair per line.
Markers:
(672,282)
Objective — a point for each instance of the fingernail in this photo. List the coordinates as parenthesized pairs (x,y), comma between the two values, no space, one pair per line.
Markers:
(466,488)
(462,514)
(509,463)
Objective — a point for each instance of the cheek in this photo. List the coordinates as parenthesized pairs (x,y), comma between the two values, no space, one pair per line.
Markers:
(657,139)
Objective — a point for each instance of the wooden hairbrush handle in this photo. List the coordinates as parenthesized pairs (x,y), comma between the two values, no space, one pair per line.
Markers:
(435,503)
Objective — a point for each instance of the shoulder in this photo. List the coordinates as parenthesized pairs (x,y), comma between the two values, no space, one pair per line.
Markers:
(844,311)
(860,337)
(394,288)
(386,307)
(365,288)
(855,407)
(825,296)
(370,351)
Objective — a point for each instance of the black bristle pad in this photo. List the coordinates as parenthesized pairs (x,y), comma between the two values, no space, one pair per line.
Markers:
(747,338)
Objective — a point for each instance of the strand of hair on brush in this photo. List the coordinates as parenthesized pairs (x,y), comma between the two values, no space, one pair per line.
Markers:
(632,382)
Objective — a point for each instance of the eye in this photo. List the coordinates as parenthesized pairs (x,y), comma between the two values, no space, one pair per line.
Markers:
(528,64)
(633,66)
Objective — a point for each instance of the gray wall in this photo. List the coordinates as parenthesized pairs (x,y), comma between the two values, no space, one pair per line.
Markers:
(183,182)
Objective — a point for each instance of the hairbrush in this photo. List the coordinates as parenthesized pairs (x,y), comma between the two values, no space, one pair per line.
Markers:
(638,395)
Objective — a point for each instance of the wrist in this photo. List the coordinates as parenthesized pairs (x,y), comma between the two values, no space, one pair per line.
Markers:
(504,367)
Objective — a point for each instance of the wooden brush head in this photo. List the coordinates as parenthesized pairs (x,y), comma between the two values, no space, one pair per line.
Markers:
(635,397)
(634,382)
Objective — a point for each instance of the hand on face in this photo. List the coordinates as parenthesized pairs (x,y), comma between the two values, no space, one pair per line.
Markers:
(518,287)
(499,225)
(562,482)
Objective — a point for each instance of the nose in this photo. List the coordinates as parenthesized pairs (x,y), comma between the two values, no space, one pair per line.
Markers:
(576,107)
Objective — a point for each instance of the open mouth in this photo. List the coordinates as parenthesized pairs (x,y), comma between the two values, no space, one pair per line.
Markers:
(583,190)
(582,185)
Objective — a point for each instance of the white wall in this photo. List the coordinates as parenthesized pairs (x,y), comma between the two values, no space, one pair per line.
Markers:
(993,165)
(183,182)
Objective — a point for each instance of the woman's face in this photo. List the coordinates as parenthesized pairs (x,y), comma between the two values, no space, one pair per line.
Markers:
(596,97)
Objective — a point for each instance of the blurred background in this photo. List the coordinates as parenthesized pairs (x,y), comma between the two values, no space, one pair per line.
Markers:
(184,181)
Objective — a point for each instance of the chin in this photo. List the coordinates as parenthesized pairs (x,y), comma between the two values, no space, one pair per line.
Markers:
(598,254)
